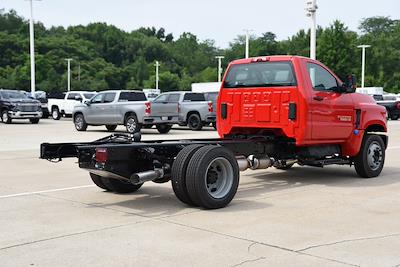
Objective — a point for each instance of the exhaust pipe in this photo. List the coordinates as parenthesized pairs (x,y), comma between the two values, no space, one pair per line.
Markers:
(253,163)
(141,177)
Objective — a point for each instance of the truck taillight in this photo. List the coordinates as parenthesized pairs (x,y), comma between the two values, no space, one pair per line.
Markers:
(101,155)
(148,108)
(210,107)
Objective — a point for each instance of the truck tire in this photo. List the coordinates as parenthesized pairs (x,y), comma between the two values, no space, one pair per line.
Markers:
(285,167)
(111,128)
(148,126)
(55,113)
(212,177)
(5,118)
(98,181)
(214,125)
(132,124)
(194,122)
(34,120)
(118,186)
(80,123)
(371,157)
(178,173)
(394,117)
(163,128)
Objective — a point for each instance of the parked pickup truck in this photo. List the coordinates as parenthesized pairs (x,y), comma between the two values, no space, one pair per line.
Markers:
(113,108)
(18,105)
(392,106)
(273,111)
(183,108)
(65,105)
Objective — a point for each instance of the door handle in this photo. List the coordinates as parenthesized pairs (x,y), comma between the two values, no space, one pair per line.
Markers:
(318,98)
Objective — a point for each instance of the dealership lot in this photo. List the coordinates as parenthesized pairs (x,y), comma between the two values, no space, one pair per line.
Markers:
(52,215)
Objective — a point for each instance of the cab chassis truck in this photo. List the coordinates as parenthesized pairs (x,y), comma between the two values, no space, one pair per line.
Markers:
(272,111)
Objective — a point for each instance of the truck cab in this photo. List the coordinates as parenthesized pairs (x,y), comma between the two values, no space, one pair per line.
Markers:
(295,98)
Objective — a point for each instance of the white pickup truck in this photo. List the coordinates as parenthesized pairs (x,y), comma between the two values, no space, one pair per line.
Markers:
(64,106)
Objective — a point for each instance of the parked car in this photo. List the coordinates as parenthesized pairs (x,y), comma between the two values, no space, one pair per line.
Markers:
(64,105)
(391,104)
(18,105)
(213,97)
(113,108)
(183,108)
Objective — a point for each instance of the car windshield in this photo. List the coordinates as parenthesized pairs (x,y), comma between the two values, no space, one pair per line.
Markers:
(14,95)
(260,74)
(89,95)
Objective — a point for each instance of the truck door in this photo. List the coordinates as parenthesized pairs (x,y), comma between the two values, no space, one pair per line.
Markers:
(93,112)
(332,113)
(71,102)
(165,105)
(108,109)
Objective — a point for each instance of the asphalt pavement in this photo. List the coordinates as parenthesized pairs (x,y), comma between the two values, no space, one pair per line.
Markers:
(52,215)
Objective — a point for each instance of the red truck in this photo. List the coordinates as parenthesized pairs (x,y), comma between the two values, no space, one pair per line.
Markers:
(272,111)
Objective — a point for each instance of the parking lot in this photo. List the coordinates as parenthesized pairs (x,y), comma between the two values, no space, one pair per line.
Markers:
(52,215)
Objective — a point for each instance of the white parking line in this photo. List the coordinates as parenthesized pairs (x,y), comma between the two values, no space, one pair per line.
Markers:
(393,147)
(46,191)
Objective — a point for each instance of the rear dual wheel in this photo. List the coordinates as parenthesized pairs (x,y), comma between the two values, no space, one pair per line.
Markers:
(210,179)
(114,185)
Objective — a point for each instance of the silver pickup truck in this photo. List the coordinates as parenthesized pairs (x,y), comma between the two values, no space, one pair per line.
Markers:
(113,108)
(183,108)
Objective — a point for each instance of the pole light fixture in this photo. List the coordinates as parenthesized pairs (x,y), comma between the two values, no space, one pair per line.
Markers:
(247,45)
(363,47)
(219,67)
(32,49)
(311,8)
(157,65)
(69,73)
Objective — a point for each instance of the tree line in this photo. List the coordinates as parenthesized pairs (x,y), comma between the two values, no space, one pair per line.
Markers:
(105,57)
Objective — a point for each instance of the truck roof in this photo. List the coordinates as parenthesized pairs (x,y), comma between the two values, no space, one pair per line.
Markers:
(117,91)
(266,58)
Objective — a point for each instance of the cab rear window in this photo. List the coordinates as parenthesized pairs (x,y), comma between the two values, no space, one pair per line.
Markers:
(260,74)
(194,97)
(132,96)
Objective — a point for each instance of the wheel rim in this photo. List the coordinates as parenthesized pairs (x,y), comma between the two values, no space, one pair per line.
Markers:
(4,117)
(375,156)
(131,125)
(55,114)
(194,122)
(79,122)
(219,177)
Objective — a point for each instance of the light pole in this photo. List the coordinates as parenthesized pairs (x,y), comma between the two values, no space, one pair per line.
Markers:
(311,12)
(157,78)
(247,42)
(219,67)
(363,63)
(69,73)
(32,50)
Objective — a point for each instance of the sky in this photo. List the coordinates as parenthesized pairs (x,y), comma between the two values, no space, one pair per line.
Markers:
(219,20)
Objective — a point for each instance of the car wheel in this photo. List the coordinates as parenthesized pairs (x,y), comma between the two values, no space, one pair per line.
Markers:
(34,120)
(80,123)
(194,122)
(111,128)
(97,181)
(55,113)
(178,173)
(371,157)
(212,177)
(132,124)
(214,125)
(5,118)
(163,128)
(394,117)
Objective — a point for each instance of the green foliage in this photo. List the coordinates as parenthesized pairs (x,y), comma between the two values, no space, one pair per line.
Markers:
(105,57)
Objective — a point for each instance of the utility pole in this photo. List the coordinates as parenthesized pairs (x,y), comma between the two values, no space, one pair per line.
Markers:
(69,73)
(157,78)
(219,67)
(32,50)
(247,31)
(363,47)
(311,12)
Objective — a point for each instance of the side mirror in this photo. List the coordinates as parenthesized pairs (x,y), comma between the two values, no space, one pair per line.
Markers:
(78,98)
(350,83)
(87,103)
